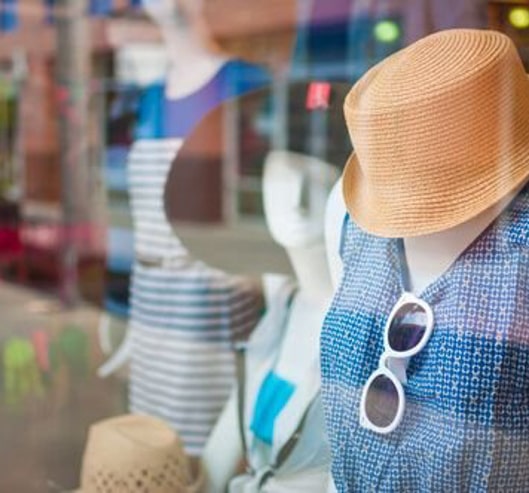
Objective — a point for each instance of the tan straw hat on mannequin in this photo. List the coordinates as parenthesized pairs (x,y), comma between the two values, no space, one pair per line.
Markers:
(440,132)
(130,454)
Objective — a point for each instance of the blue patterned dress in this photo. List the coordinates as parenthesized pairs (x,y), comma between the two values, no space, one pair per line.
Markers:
(466,425)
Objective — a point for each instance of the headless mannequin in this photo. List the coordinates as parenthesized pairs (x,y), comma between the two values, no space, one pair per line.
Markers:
(427,256)
(295,190)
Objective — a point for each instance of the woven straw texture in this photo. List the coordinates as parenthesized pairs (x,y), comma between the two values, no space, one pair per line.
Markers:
(130,454)
(440,132)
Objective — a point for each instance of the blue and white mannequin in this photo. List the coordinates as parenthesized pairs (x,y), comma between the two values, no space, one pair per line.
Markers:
(427,256)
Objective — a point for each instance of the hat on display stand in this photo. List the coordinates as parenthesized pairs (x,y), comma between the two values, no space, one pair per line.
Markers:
(134,453)
(440,131)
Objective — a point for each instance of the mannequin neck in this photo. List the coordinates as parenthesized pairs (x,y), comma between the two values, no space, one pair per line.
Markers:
(306,314)
(429,256)
(312,272)
(190,65)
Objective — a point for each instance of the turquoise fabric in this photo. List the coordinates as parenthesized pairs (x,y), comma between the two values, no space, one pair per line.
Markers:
(273,396)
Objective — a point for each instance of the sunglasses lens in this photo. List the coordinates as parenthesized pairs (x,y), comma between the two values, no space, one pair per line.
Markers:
(407,327)
(382,402)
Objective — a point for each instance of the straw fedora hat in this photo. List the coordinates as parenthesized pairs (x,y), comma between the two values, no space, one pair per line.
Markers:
(440,131)
(131,453)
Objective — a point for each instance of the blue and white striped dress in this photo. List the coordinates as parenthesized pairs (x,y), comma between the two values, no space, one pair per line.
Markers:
(466,425)
(184,314)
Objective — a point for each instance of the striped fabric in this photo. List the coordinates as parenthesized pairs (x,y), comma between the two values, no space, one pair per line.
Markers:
(185,315)
(149,163)
(466,425)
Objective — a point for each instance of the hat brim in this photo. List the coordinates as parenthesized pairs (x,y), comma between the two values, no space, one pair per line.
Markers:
(372,215)
(196,487)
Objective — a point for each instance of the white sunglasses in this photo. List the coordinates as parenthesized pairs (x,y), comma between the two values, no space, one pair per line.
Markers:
(408,329)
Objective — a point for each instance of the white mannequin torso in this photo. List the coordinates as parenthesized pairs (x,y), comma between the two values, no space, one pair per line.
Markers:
(307,310)
(301,233)
(429,256)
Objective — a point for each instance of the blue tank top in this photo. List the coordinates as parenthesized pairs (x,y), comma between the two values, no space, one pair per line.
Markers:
(159,117)
(466,424)
(233,79)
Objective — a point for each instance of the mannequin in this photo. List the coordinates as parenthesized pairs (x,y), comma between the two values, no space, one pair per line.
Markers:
(427,256)
(433,218)
(198,79)
(184,313)
(295,189)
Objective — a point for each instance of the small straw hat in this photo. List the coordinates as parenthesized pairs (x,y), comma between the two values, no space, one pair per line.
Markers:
(440,132)
(130,454)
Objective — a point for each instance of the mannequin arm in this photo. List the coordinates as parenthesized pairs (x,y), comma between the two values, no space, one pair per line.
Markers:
(223,451)
(119,358)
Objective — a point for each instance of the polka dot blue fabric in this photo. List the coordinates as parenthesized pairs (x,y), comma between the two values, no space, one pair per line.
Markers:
(466,424)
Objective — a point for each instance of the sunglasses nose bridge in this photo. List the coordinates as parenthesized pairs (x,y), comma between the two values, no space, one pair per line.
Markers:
(383,362)
(397,366)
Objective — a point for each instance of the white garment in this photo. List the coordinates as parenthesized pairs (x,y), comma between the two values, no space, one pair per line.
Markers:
(307,468)
(148,166)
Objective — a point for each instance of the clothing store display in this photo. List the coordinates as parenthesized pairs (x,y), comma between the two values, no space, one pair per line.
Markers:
(185,315)
(136,454)
(437,139)
(465,427)
(286,450)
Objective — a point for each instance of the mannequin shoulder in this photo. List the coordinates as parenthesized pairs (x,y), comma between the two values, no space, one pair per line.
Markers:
(273,287)
(335,213)
(277,290)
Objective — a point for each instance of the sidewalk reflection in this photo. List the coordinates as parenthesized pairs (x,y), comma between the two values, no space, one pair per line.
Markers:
(49,392)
